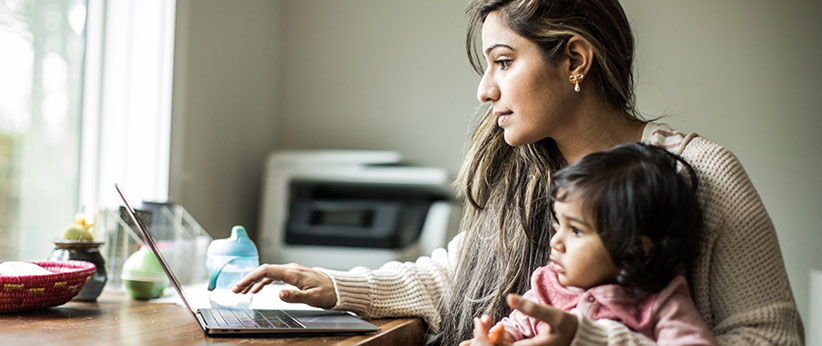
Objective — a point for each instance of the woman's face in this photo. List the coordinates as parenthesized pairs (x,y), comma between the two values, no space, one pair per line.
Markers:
(577,252)
(524,90)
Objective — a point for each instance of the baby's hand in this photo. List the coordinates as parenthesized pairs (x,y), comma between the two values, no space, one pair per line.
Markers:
(484,335)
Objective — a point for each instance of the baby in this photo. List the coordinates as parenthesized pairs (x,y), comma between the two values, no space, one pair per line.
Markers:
(628,226)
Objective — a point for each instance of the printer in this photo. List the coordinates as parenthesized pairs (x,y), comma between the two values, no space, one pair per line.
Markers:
(344,208)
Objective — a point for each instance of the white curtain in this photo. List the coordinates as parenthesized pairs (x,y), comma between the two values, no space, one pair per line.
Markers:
(128,101)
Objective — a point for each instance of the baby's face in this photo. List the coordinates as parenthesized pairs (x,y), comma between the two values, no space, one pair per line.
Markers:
(577,252)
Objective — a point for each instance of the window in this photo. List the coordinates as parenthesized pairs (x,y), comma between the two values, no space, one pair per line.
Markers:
(85,100)
(40,89)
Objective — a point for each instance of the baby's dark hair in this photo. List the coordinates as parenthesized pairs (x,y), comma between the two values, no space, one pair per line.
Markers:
(630,192)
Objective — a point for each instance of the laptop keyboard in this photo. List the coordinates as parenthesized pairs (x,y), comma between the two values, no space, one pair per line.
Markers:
(272,319)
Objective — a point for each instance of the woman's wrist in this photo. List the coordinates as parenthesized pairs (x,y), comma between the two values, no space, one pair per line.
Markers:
(351,289)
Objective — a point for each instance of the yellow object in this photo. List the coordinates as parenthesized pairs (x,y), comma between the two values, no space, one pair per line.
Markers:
(12,287)
(496,334)
(78,233)
(80,220)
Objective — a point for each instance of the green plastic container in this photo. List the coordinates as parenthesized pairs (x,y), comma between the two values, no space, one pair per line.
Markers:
(143,275)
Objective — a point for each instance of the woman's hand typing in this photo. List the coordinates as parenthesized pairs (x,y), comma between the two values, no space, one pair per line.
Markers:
(315,288)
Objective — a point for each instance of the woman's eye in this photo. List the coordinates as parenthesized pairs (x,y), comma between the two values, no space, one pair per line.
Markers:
(576,231)
(503,63)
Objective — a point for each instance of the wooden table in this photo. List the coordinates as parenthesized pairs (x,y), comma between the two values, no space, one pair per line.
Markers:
(116,319)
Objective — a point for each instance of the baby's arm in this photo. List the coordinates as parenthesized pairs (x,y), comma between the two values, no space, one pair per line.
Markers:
(677,319)
(676,322)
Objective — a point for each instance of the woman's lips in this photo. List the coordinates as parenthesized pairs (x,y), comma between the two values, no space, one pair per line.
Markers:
(502,117)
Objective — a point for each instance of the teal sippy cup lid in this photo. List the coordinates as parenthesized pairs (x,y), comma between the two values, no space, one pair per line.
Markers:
(238,245)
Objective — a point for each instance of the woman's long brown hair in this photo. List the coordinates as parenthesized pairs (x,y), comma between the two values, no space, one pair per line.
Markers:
(507,218)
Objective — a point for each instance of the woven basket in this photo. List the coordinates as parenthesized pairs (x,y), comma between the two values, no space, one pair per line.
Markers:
(30,292)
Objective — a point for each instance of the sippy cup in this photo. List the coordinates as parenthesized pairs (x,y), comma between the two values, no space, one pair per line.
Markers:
(228,261)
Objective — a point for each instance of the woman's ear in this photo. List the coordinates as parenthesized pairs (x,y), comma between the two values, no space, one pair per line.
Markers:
(580,54)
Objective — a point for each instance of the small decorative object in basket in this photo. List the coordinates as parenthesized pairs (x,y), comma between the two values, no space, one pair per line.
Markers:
(28,292)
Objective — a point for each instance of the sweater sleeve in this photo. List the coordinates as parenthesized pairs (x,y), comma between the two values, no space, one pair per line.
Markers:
(397,289)
(739,280)
(606,332)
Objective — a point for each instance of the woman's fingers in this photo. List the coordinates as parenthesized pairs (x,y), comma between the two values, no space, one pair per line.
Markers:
(315,288)
(560,326)
(292,274)
(542,312)
(486,321)
(309,296)
(265,271)
(481,327)
(259,286)
(291,296)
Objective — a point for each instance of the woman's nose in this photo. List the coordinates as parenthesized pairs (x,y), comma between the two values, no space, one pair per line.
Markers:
(487,90)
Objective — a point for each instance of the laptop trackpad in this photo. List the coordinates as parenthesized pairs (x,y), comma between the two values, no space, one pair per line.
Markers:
(325,318)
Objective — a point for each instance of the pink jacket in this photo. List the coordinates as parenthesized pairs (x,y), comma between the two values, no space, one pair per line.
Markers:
(669,316)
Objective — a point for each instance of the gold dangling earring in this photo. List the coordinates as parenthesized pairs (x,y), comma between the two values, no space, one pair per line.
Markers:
(576,78)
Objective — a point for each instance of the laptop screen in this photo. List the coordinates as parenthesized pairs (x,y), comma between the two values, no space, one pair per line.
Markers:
(149,240)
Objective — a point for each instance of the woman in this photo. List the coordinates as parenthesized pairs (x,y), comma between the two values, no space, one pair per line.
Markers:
(559,85)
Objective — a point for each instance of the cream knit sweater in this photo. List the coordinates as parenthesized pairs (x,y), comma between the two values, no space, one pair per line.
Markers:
(739,281)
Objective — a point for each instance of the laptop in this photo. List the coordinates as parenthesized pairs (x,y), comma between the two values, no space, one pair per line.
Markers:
(227,322)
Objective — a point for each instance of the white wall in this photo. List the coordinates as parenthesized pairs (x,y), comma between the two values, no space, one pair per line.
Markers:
(747,75)
(224,120)
(392,74)
(367,74)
